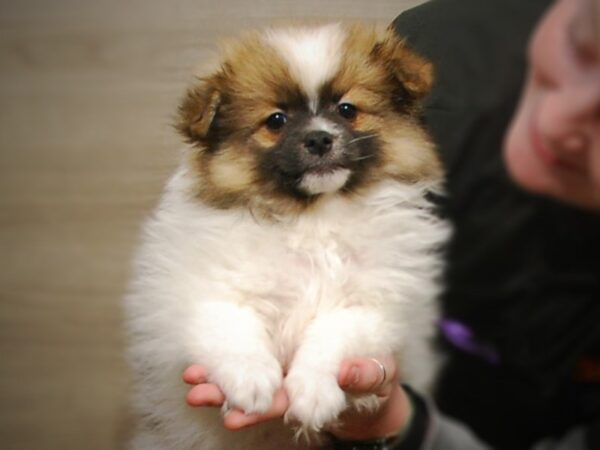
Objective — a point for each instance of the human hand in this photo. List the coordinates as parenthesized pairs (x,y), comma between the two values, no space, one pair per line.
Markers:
(358,376)
(204,393)
(364,376)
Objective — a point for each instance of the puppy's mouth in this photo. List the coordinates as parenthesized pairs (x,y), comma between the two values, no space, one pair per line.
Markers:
(324,178)
(324,168)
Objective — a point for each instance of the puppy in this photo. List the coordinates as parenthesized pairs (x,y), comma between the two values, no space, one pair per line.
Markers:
(296,232)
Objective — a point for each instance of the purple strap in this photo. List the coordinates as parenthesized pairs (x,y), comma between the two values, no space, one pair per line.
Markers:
(462,337)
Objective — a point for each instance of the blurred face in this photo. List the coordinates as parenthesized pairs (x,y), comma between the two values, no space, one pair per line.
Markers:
(553,146)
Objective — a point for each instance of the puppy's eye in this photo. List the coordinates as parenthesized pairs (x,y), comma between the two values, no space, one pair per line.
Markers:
(276,121)
(347,110)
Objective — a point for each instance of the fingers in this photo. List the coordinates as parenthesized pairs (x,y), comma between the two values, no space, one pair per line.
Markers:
(365,376)
(195,374)
(357,375)
(202,393)
(236,419)
(205,394)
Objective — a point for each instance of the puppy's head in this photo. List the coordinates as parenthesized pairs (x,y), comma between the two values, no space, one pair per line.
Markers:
(299,114)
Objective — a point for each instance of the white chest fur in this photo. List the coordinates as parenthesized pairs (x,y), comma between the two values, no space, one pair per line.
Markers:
(351,278)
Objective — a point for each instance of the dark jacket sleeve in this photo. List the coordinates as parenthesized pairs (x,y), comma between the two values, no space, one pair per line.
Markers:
(445,433)
(522,271)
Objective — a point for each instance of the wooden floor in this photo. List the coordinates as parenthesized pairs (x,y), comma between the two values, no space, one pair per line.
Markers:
(87,92)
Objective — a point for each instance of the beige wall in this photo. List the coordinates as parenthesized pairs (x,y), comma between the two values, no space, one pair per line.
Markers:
(87,91)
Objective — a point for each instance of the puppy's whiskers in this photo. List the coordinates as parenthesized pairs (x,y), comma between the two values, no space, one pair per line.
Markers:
(361,158)
(361,138)
(348,190)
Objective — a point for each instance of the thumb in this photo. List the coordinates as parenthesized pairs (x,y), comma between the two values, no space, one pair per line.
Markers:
(368,375)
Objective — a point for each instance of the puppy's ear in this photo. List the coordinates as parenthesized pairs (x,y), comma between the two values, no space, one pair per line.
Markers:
(198,110)
(412,71)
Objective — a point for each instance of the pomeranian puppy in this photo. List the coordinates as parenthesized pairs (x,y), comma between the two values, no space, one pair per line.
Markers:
(298,230)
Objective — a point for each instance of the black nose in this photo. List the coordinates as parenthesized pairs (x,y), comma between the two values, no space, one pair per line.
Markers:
(318,142)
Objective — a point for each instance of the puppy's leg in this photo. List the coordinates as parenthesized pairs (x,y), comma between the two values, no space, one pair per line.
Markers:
(316,399)
(231,341)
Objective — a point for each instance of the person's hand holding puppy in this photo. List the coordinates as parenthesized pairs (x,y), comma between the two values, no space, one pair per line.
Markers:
(360,376)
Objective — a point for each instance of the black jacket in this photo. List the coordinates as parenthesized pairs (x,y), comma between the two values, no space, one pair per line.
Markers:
(523,271)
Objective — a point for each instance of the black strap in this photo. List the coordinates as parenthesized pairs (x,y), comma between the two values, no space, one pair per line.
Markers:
(372,444)
(414,436)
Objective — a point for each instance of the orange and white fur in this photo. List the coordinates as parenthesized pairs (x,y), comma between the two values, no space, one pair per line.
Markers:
(297,231)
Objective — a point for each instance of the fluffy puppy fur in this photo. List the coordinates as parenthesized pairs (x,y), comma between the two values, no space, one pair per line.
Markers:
(296,232)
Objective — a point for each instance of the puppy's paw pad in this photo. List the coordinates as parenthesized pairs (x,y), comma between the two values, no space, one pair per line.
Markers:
(316,399)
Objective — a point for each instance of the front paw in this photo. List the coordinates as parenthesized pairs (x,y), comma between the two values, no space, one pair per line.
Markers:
(315,397)
(249,382)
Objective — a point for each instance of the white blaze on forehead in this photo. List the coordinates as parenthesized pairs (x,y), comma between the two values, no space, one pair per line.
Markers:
(313,54)
(322,124)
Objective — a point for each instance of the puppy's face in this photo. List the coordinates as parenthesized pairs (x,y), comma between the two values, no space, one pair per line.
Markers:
(298,114)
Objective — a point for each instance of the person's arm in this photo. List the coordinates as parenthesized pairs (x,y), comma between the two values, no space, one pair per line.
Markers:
(448,434)
(406,421)
(426,429)
(444,433)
